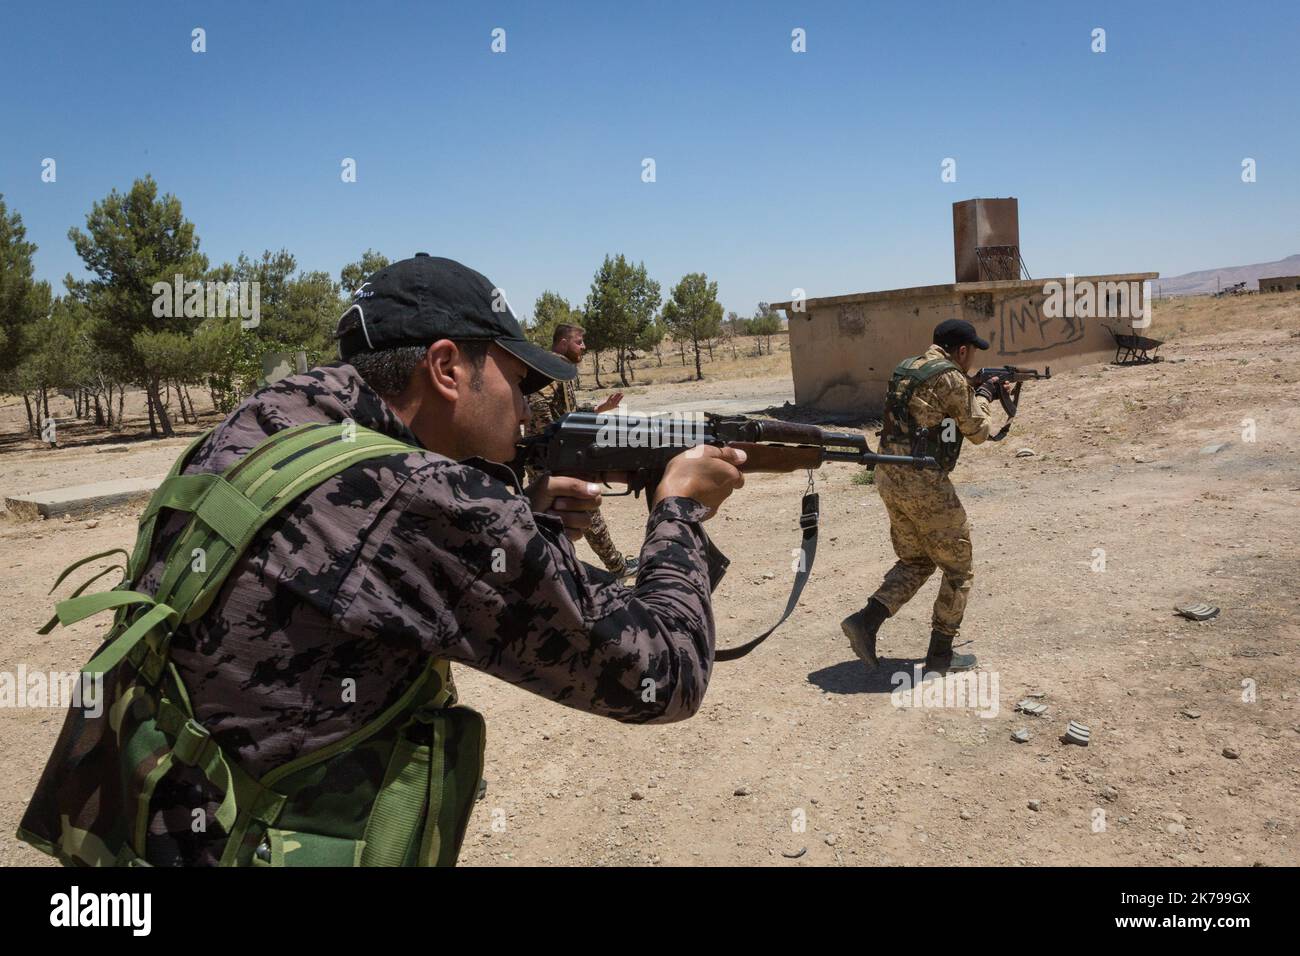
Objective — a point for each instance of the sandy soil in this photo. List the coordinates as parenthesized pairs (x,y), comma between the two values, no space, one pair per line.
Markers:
(798,756)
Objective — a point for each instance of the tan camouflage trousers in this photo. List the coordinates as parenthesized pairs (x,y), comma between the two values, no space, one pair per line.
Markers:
(598,536)
(929,529)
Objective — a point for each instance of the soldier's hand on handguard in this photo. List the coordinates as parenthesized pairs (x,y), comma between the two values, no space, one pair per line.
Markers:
(611,402)
(706,473)
(989,389)
(572,500)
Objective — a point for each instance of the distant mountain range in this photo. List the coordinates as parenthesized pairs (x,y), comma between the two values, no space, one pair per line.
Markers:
(1211,280)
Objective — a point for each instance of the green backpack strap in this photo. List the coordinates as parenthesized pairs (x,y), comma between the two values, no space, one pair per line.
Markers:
(914,376)
(226,510)
(430,782)
(898,425)
(135,564)
(230,509)
(918,374)
(926,370)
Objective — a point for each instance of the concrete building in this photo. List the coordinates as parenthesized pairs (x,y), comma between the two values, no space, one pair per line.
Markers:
(1280,284)
(843,348)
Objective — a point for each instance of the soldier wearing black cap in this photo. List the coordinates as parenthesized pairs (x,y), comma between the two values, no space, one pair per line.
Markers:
(350,604)
(928,525)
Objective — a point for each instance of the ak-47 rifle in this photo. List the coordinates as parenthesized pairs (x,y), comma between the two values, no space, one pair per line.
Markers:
(637,449)
(1010,399)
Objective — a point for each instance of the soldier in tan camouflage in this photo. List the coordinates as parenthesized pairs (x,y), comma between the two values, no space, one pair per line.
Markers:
(550,404)
(928,524)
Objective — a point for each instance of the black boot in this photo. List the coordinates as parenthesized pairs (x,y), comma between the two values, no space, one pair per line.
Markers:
(941,658)
(860,628)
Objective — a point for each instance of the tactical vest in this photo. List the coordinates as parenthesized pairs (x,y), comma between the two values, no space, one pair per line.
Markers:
(899,426)
(397,791)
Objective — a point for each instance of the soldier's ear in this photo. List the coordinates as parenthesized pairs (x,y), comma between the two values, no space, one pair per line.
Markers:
(439,367)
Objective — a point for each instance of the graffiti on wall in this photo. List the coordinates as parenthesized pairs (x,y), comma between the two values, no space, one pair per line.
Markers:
(1020,327)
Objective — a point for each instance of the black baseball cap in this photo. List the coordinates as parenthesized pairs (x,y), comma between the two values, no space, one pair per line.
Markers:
(420,300)
(952,333)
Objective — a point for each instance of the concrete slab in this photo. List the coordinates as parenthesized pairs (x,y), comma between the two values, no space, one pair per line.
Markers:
(746,404)
(81,499)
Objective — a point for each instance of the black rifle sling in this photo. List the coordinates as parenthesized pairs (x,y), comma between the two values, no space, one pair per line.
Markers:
(1010,405)
(807,551)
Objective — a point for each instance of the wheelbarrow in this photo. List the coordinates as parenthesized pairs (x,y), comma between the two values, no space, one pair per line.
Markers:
(1134,349)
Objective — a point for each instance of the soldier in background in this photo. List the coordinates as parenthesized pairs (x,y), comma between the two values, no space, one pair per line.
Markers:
(927,523)
(549,405)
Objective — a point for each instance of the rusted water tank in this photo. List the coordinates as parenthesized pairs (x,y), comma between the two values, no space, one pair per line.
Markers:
(986,239)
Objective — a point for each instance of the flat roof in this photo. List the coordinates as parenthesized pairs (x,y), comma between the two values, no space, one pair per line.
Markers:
(1275,278)
(963,288)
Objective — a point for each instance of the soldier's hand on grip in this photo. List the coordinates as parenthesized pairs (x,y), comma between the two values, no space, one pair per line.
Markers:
(705,473)
(572,500)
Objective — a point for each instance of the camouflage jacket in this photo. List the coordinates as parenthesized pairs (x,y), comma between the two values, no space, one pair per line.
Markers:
(947,395)
(552,403)
(344,597)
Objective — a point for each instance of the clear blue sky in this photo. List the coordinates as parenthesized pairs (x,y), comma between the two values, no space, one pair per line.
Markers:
(774,169)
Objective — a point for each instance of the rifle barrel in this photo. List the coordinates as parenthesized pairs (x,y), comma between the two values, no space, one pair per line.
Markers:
(873,459)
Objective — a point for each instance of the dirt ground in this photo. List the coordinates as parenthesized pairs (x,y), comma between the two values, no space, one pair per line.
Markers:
(798,757)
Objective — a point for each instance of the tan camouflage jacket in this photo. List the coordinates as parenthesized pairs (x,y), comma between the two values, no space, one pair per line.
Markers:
(947,395)
(343,598)
(552,403)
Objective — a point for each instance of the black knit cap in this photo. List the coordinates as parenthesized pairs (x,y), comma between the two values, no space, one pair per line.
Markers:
(420,300)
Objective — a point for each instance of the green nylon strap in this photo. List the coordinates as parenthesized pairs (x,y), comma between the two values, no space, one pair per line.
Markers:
(50,624)
(183,500)
(79,608)
(413,785)
(212,761)
(304,473)
(916,376)
(177,687)
(145,797)
(310,470)
(932,368)
(227,512)
(903,368)
(181,492)
(458,743)
(922,372)
(120,646)
(428,690)
(211,497)
(95,577)
(402,802)
(442,790)
(271,443)
(54,619)
(282,452)
(303,462)
(194,747)
(135,567)
(148,663)
(197,534)
(86,560)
